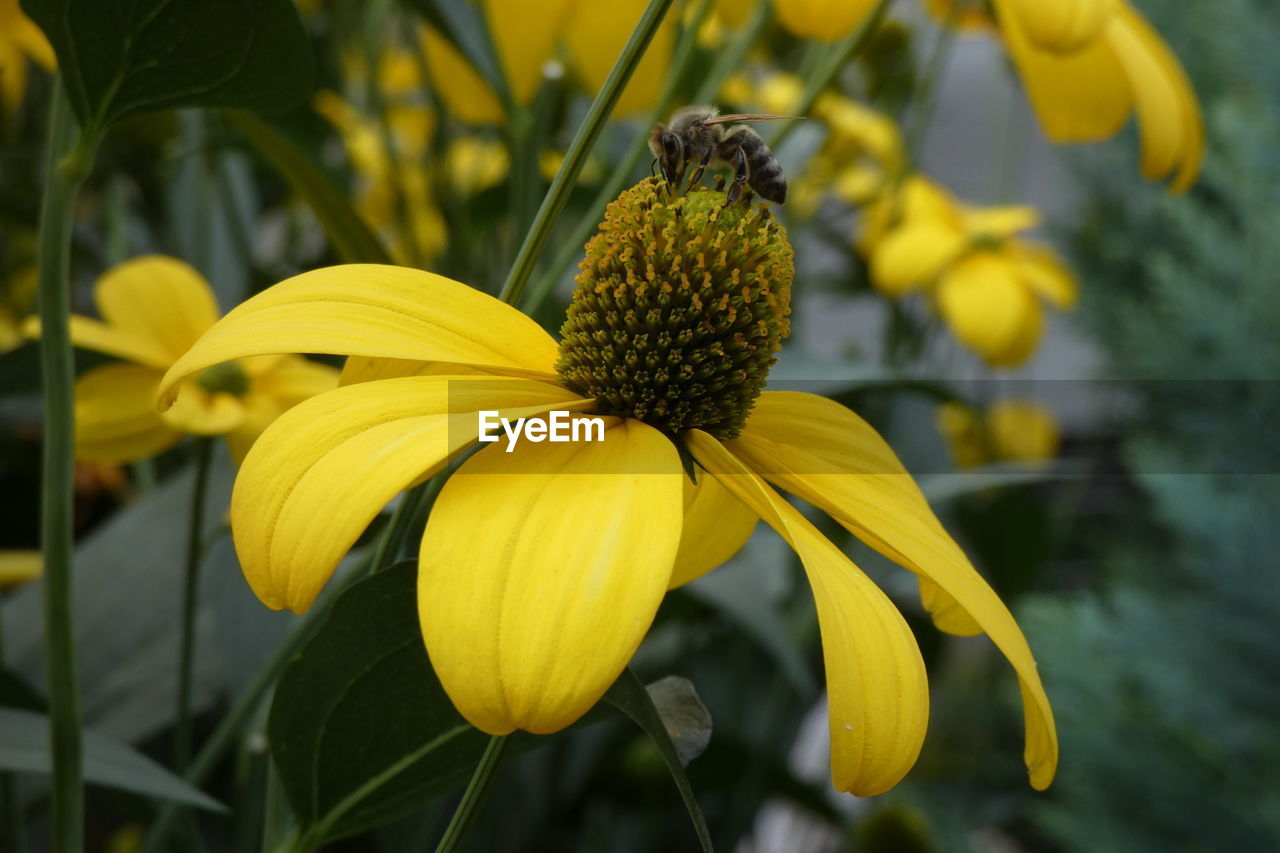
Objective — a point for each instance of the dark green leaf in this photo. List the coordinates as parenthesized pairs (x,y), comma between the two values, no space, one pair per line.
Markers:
(16,692)
(24,747)
(630,696)
(119,57)
(352,239)
(360,728)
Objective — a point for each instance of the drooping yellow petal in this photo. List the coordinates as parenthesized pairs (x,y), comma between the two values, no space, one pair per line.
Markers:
(827,455)
(541,571)
(525,34)
(595,36)
(23,33)
(878,695)
(463,91)
(159,300)
(378,311)
(947,614)
(1058,26)
(13,75)
(320,473)
(1001,221)
(278,383)
(199,411)
(716,526)
(990,309)
(823,20)
(914,254)
(1045,273)
(1082,97)
(1168,113)
(97,336)
(116,417)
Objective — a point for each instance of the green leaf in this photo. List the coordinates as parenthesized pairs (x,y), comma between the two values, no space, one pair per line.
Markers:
(351,237)
(360,728)
(629,695)
(24,747)
(119,57)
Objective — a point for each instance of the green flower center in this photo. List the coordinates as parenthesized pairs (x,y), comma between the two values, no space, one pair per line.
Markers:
(680,308)
(225,378)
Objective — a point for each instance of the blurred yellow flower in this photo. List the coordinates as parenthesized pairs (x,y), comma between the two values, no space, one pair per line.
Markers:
(986,282)
(465,94)
(1009,430)
(474,164)
(153,308)
(1088,65)
(19,567)
(596,34)
(525,33)
(543,564)
(824,20)
(21,41)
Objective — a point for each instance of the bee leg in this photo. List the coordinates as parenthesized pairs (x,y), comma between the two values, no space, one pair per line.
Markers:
(719,183)
(741,175)
(702,167)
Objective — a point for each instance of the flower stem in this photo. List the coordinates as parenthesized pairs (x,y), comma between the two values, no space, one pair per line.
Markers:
(190,600)
(580,148)
(474,795)
(826,69)
(69,157)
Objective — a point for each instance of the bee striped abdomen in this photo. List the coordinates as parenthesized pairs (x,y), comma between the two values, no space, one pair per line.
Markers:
(765,171)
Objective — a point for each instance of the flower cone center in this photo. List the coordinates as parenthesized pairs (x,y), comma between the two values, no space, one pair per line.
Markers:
(680,308)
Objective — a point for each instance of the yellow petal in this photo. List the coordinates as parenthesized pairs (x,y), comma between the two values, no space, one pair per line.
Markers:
(1058,26)
(525,34)
(824,20)
(378,311)
(827,455)
(116,417)
(734,13)
(19,567)
(1083,97)
(596,34)
(201,412)
(990,309)
(278,383)
(716,526)
(13,75)
(541,571)
(319,474)
(914,254)
(878,695)
(158,300)
(1168,113)
(99,337)
(999,222)
(1023,431)
(947,614)
(463,91)
(1045,273)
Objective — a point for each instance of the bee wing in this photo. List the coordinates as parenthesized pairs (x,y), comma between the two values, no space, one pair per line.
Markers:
(745,118)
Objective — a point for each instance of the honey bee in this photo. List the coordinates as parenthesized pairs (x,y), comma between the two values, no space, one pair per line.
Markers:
(697,135)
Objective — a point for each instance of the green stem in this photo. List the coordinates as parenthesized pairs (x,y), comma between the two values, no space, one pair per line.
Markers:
(829,66)
(474,795)
(576,158)
(572,247)
(68,162)
(190,602)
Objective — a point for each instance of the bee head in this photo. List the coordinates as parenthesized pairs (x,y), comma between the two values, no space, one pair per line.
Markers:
(669,149)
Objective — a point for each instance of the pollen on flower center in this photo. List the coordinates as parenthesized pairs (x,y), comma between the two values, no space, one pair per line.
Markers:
(681,305)
(225,378)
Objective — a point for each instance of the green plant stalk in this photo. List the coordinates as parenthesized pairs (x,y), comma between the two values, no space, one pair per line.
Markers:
(826,69)
(554,201)
(474,795)
(190,602)
(626,166)
(68,159)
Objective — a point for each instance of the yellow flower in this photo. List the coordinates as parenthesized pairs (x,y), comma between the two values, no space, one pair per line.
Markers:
(987,283)
(474,164)
(543,564)
(19,567)
(20,41)
(1009,430)
(1088,65)
(596,34)
(153,308)
(824,20)
(464,92)
(526,32)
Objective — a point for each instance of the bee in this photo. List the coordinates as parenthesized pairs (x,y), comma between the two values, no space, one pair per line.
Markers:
(697,135)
